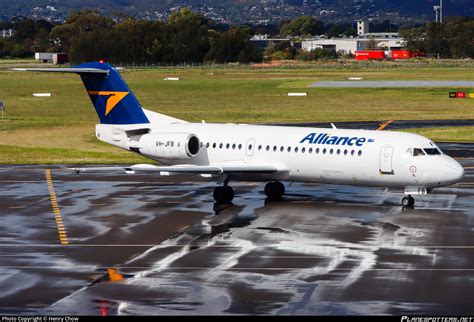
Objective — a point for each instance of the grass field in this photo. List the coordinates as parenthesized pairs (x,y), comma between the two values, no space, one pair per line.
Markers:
(60,129)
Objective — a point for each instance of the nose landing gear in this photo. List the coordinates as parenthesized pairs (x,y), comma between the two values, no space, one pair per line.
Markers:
(408,201)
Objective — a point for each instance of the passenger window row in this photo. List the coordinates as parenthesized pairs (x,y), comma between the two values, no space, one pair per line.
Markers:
(268,148)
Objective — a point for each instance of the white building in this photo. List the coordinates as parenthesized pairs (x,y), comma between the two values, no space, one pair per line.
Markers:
(362,27)
(351,45)
(263,41)
(380,35)
(384,40)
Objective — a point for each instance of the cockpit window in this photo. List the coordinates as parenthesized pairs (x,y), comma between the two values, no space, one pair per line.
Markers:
(417,152)
(432,151)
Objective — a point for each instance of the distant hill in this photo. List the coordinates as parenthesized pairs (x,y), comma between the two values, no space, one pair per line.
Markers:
(240,11)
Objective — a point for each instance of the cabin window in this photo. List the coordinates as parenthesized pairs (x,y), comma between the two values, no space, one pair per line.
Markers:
(331,151)
(310,150)
(221,145)
(240,146)
(233,146)
(359,153)
(214,145)
(324,151)
(227,146)
(352,152)
(282,149)
(303,150)
(345,152)
(207,145)
(250,146)
(267,148)
(289,149)
(296,149)
(417,152)
(274,148)
(259,148)
(432,151)
(317,150)
(338,151)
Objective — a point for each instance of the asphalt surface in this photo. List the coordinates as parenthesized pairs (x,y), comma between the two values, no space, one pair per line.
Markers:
(386,84)
(324,249)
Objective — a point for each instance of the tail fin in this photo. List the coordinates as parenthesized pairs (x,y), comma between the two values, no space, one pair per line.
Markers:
(113,100)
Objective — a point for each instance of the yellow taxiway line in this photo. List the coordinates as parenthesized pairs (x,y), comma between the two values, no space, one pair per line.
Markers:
(56,211)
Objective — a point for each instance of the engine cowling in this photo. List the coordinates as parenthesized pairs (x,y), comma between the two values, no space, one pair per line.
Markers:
(170,145)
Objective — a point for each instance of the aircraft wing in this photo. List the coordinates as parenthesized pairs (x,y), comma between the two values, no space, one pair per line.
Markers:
(184,169)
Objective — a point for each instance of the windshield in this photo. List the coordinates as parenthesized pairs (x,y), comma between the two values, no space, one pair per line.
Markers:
(432,151)
(417,152)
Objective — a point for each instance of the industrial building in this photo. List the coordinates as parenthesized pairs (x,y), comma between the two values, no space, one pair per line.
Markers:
(349,45)
(263,41)
(55,58)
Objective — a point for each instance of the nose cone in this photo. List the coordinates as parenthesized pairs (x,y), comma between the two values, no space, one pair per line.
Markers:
(454,171)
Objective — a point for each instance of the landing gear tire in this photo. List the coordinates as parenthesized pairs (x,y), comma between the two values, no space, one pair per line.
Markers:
(223,194)
(408,201)
(274,190)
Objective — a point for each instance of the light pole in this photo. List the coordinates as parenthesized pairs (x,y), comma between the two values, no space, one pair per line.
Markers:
(436,9)
(441,11)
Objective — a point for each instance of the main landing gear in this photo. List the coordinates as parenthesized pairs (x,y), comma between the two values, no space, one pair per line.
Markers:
(224,194)
(274,190)
(408,201)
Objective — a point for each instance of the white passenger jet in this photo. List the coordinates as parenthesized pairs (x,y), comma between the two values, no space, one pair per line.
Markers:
(231,152)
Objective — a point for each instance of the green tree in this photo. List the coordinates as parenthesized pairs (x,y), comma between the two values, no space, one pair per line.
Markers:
(76,24)
(414,39)
(302,26)
(335,31)
(436,41)
(460,36)
(231,46)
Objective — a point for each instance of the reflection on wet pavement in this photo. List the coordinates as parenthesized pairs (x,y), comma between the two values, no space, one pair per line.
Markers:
(324,249)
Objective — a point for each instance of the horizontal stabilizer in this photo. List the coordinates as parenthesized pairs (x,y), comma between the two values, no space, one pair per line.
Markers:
(77,70)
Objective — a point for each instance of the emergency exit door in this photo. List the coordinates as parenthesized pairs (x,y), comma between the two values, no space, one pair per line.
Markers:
(250,147)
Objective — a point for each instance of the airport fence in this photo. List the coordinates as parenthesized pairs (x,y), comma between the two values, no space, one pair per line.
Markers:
(341,64)
(317,65)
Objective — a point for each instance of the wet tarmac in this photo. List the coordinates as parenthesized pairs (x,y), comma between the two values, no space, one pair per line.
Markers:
(387,84)
(324,249)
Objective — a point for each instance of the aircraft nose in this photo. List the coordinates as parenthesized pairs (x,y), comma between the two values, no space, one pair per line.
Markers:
(454,171)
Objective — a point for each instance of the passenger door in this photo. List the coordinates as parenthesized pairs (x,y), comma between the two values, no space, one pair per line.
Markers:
(386,155)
